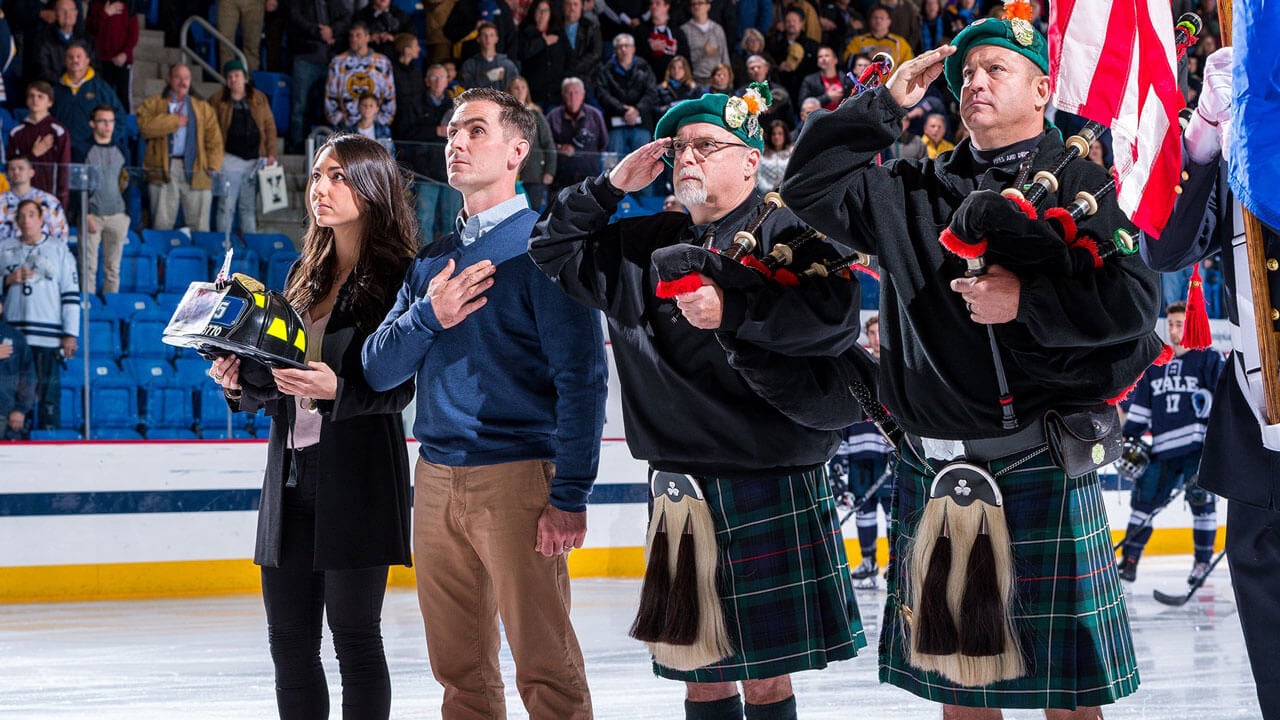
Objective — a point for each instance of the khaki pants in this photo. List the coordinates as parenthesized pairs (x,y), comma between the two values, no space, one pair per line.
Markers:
(248,14)
(473,543)
(165,199)
(112,232)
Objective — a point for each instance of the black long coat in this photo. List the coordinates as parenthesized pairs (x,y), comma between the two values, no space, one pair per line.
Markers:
(363,505)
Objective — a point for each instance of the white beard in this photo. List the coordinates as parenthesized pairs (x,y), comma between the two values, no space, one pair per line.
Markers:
(690,194)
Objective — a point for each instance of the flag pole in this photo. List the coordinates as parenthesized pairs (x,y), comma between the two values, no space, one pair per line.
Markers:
(1265,314)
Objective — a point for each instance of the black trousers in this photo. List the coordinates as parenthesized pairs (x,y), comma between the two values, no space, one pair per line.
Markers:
(48,362)
(1253,549)
(297,597)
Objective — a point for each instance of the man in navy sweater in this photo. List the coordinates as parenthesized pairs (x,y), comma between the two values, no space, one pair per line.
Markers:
(511,392)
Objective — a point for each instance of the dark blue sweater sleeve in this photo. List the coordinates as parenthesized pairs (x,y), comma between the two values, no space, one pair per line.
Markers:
(394,352)
(1190,232)
(573,340)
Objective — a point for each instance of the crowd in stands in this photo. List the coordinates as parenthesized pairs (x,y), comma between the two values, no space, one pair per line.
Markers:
(599,74)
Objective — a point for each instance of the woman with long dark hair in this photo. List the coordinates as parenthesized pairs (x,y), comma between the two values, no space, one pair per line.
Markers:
(678,84)
(933,26)
(544,52)
(777,151)
(335,506)
(721,79)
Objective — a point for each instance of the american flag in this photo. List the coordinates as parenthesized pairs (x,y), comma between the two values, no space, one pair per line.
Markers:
(1112,61)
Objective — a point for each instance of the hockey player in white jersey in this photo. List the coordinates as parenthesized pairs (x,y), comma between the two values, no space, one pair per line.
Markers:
(42,300)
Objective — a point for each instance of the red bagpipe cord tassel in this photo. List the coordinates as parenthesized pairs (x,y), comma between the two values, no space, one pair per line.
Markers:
(1065,223)
(866,271)
(1196,334)
(754,263)
(668,289)
(1071,234)
(1027,208)
(957,246)
(786,278)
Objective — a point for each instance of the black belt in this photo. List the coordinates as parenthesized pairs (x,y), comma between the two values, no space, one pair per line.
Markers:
(988,449)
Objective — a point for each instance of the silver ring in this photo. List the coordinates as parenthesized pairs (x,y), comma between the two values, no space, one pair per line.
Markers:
(969,306)
(218,378)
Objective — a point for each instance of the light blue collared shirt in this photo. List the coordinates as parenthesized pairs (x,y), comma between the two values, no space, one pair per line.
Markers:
(178,139)
(473,228)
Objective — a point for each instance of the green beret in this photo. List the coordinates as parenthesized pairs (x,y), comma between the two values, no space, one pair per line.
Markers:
(738,115)
(1017,35)
(234,65)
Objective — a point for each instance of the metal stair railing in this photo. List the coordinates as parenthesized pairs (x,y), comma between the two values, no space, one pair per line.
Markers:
(190,53)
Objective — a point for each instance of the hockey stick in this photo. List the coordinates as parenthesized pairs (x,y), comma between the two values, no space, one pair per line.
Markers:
(1180,600)
(1152,516)
(857,503)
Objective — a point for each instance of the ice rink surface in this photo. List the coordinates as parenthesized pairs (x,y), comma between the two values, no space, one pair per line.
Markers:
(207,658)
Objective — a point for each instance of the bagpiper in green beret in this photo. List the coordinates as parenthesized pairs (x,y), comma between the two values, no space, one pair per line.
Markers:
(1015,33)
(738,115)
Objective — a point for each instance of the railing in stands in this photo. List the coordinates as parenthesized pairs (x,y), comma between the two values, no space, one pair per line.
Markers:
(190,53)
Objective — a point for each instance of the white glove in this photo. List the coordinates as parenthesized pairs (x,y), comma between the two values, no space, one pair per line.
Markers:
(1215,96)
(1210,128)
(1202,141)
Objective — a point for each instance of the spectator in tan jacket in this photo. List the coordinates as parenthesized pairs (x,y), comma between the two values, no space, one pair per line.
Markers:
(249,141)
(184,143)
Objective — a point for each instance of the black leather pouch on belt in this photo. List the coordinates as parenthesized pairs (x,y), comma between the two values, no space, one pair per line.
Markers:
(1083,441)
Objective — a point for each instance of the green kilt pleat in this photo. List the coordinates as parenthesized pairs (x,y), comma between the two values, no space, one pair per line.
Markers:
(783,578)
(1069,610)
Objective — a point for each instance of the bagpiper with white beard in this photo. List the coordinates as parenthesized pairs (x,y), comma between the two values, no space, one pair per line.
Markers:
(755,478)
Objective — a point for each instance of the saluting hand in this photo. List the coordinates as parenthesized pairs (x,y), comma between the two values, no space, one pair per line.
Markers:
(639,168)
(453,298)
(909,82)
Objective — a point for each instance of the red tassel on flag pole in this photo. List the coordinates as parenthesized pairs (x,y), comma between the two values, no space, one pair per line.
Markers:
(1195,331)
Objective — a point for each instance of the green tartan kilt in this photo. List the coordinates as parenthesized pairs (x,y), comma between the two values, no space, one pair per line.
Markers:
(1069,609)
(783,578)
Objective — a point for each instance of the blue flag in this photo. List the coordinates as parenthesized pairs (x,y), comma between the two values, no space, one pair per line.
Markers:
(1252,157)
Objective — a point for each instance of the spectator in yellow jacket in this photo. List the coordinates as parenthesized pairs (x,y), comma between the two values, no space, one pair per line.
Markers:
(184,144)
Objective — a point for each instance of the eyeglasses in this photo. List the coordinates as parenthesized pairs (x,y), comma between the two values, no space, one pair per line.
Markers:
(702,147)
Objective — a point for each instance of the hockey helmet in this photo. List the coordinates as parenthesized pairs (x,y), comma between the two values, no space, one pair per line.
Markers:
(241,318)
(1135,457)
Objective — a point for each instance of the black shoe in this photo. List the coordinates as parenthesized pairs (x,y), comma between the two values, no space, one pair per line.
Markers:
(1128,569)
